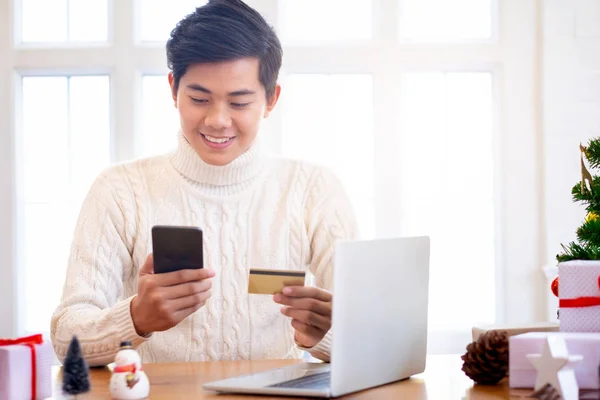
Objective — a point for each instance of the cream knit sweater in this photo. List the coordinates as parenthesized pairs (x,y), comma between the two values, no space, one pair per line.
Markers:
(255,212)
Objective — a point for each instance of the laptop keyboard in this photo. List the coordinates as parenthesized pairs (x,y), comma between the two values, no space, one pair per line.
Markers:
(315,381)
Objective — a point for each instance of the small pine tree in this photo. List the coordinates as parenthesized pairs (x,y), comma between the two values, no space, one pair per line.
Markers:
(75,370)
(587,246)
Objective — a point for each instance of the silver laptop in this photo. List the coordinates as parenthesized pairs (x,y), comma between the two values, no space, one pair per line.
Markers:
(379,324)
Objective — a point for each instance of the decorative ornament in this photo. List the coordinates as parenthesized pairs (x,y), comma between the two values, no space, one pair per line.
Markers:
(555,368)
(486,359)
(554,286)
(75,370)
(128,380)
(592,216)
(585,174)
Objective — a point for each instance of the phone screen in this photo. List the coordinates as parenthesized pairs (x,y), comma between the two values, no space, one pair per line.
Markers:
(176,247)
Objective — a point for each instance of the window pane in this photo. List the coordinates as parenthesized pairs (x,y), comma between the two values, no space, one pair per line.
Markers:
(443,20)
(447,190)
(88,20)
(160,117)
(317,129)
(328,24)
(44,20)
(45,99)
(52,21)
(90,145)
(59,162)
(159,18)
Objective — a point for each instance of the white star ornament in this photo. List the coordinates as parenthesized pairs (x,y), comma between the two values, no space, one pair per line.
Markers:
(555,367)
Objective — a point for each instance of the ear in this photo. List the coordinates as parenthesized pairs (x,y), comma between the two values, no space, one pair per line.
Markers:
(272,101)
(173,89)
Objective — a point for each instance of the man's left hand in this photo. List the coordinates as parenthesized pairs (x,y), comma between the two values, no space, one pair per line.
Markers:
(310,310)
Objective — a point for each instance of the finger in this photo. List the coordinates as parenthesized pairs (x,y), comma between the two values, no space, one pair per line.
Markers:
(186,312)
(183,303)
(184,275)
(148,266)
(307,317)
(187,289)
(304,303)
(308,330)
(308,291)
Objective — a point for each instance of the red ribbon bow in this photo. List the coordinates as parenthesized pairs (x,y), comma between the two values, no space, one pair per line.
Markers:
(29,341)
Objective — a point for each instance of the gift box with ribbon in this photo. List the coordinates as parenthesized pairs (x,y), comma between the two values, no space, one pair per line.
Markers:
(522,373)
(579,296)
(25,368)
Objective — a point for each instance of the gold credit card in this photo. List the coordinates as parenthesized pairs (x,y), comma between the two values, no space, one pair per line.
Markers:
(271,281)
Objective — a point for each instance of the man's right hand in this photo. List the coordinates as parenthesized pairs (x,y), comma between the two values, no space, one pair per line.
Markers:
(164,300)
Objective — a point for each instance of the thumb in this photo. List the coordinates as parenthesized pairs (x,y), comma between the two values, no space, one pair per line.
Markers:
(148,267)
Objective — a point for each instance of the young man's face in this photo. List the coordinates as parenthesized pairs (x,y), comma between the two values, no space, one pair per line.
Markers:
(221,106)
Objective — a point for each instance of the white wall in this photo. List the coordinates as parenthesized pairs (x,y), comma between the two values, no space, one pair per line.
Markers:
(521,215)
(571,111)
(7,203)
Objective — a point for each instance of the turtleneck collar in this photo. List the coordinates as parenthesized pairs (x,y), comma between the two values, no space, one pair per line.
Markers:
(238,174)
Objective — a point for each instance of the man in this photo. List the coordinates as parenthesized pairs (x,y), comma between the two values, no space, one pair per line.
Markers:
(254,211)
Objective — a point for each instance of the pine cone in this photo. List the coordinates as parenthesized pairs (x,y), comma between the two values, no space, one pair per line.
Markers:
(486,360)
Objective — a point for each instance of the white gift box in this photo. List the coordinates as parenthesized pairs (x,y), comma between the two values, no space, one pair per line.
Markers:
(522,374)
(579,296)
(16,371)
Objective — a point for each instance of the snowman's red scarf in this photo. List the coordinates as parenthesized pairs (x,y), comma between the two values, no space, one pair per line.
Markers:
(579,302)
(126,368)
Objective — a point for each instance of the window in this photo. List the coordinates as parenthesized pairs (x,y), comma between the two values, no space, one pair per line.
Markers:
(446,180)
(355,26)
(56,21)
(446,21)
(65,143)
(159,117)
(157,19)
(316,129)
(415,104)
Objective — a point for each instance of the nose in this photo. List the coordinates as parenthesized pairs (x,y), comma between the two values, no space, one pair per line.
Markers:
(217,117)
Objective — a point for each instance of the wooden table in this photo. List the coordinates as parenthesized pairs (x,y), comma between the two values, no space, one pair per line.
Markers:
(442,379)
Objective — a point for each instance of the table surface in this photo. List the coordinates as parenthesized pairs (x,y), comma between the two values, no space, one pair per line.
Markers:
(442,379)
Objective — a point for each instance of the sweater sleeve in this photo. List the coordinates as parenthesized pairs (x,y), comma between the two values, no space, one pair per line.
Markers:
(329,218)
(92,307)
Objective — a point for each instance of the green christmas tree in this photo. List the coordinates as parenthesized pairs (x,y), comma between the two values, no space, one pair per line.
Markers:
(587,192)
(75,370)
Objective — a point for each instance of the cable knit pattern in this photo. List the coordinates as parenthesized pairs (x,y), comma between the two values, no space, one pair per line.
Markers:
(255,212)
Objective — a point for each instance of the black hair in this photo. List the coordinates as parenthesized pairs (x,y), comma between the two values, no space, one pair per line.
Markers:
(225,30)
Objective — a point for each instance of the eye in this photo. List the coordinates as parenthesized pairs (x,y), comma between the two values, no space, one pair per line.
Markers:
(240,105)
(199,101)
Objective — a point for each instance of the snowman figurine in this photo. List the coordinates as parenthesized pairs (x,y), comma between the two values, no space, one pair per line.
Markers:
(128,380)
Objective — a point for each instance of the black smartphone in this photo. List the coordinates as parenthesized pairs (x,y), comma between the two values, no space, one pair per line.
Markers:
(176,247)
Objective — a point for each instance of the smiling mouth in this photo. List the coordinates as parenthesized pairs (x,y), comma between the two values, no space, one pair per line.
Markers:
(217,140)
